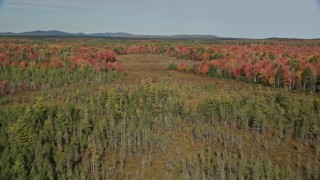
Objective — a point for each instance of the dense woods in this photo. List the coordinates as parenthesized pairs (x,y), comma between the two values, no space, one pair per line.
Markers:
(96,135)
(78,125)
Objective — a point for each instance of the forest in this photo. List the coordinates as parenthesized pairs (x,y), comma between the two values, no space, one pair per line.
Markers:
(84,108)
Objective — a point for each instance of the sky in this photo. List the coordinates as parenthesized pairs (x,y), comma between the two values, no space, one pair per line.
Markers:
(225,18)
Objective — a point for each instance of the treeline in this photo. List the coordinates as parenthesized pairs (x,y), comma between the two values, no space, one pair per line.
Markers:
(13,79)
(305,79)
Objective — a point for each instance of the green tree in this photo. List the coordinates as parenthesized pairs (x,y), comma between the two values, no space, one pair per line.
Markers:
(308,81)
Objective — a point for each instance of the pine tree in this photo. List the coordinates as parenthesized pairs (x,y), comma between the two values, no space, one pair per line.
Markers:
(308,82)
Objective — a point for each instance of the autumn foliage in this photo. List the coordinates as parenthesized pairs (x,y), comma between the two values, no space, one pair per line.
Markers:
(33,55)
(27,64)
(269,62)
(277,65)
(182,66)
(291,64)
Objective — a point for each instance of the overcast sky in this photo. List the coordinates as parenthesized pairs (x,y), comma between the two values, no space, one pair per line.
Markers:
(227,18)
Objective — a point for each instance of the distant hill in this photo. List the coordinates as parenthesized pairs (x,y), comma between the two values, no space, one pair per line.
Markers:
(118,34)
(196,36)
(108,34)
(46,33)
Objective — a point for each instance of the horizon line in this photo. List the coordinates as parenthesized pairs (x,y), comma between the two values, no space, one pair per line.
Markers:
(183,34)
